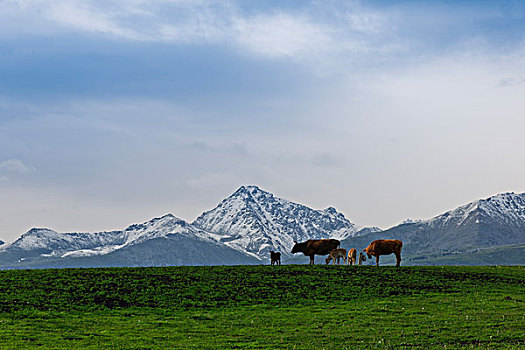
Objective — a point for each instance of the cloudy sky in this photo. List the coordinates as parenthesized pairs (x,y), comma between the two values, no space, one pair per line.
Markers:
(114,112)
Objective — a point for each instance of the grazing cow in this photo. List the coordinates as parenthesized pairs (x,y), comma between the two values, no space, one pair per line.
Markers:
(315,246)
(352,254)
(361,258)
(275,257)
(384,247)
(336,254)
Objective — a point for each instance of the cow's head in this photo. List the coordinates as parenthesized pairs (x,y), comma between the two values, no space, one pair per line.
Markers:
(296,247)
(362,256)
(327,260)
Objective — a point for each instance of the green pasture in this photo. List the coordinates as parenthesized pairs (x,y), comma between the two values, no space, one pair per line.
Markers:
(264,307)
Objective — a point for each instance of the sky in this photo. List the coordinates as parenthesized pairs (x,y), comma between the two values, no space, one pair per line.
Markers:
(115,112)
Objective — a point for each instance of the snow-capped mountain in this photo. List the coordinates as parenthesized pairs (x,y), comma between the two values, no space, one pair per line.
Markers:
(255,221)
(85,244)
(250,222)
(495,221)
(503,209)
(43,244)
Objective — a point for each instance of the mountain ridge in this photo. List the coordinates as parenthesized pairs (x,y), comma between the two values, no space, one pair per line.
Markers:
(250,222)
(498,220)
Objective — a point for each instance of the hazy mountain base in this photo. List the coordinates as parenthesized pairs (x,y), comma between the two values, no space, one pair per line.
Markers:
(195,255)
(499,255)
(167,251)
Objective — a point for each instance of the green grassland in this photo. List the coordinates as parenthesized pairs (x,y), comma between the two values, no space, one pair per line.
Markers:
(264,307)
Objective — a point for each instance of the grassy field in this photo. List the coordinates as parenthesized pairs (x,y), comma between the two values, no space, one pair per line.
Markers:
(264,307)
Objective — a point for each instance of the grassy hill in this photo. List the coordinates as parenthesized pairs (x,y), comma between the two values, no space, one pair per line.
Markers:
(294,306)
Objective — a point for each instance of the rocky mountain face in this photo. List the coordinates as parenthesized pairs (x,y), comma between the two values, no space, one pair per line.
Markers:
(497,221)
(255,221)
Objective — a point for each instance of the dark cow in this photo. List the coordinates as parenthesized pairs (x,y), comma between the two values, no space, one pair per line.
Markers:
(315,246)
(275,257)
(384,247)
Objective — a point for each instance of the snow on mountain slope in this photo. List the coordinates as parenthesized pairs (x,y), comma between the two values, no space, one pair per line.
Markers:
(504,208)
(88,244)
(255,221)
(495,221)
(42,238)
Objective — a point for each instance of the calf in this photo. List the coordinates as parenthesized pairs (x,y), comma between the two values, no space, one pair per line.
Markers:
(361,258)
(352,254)
(384,247)
(336,254)
(275,257)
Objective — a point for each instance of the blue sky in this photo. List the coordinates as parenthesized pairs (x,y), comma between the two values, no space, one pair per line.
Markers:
(113,112)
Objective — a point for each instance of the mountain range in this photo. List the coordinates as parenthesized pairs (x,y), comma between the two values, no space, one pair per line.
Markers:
(244,227)
(488,231)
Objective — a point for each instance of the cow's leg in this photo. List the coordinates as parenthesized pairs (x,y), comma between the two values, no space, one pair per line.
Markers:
(398,259)
(312,259)
(377,260)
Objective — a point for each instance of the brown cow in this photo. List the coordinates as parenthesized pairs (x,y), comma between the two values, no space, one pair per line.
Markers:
(315,246)
(352,254)
(336,254)
(275,257)
(384,247)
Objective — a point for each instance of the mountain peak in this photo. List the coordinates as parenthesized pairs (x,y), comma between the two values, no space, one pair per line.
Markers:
(249,189)
(39,238)
(331,210)
(255,221)
(411,221)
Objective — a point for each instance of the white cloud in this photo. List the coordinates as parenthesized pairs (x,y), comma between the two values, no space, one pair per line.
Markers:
(281,35)
(276,33)
(14,166)
(85,18)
